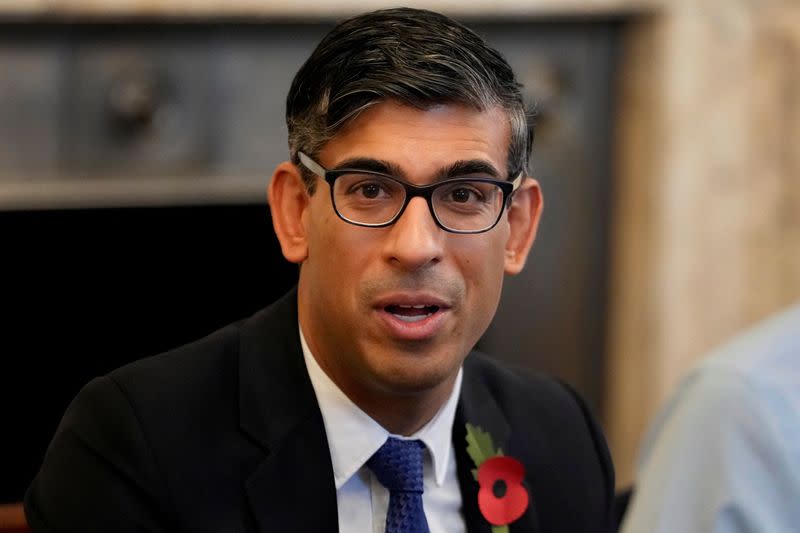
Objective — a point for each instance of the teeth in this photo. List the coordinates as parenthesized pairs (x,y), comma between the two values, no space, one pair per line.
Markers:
(412,306)
(415,318)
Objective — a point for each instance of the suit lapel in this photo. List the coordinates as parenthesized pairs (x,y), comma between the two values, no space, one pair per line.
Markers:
(293,489)
(279,411)
(477,406)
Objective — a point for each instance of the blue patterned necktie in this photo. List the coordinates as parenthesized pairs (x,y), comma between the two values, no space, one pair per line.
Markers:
(398,466)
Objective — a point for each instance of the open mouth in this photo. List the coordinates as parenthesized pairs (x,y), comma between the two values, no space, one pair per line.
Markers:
(411,313)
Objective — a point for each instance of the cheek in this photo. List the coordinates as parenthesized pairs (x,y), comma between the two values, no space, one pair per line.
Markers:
(483,270)
(338,255)
(325,237)
(486,252)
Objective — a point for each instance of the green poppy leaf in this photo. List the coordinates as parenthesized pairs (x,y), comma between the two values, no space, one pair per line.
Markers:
(479,444)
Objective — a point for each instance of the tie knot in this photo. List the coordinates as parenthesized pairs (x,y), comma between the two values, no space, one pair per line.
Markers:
(398,465)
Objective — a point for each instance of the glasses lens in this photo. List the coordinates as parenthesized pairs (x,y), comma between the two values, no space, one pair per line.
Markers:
(367,198)
(467,205)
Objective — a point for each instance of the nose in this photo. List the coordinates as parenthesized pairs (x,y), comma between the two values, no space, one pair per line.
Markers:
(414,240)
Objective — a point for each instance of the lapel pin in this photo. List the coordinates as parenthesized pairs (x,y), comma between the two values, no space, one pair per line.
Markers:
(502,498)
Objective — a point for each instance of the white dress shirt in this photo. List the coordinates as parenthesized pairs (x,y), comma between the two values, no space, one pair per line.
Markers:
(353,437)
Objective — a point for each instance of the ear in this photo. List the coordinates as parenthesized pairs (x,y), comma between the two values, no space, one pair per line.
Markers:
(523,219)
(288,201)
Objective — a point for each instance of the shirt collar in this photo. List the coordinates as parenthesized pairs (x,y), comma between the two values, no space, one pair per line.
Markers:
(353,436)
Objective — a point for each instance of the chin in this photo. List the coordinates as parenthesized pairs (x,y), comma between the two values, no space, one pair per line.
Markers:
(414,376)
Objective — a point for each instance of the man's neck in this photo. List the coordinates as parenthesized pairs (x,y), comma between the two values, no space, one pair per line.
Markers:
(403,413)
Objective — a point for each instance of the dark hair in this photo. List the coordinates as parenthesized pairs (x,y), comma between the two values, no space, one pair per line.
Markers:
(417,57)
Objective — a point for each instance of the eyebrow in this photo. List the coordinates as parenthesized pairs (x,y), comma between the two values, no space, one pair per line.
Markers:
(458,168)
(372,165)
(468,167)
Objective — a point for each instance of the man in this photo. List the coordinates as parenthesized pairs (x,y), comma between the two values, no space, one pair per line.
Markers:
(724,455)
(346,404)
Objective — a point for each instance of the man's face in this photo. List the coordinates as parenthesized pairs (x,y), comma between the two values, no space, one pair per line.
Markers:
(397,309)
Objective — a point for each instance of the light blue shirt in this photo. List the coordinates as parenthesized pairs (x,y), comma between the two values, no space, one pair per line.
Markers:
(724,455)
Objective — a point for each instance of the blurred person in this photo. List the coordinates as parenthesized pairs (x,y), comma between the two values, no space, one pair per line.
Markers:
(356,402)
(724,454)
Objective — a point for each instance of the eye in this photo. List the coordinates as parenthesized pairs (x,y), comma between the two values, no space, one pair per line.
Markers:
(362,188)
(460,195)
(369,190)
(464,193)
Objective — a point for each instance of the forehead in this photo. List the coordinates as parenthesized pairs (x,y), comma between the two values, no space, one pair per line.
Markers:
(421,142)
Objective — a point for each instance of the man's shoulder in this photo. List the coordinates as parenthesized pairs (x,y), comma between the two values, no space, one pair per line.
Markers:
(505,381)
(542,404)
(133,439)
(197,360)
(203,366)
(768,348)
(756,370)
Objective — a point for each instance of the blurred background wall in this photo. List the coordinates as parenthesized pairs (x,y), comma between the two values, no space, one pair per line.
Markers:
(136,139)
(706,217)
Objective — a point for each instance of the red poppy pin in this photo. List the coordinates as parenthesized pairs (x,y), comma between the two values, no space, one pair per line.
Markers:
(501,497)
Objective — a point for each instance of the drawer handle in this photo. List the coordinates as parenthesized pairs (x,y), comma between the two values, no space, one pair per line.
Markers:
(133,101)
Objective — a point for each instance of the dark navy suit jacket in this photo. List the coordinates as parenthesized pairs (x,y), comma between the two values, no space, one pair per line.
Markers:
(225,435)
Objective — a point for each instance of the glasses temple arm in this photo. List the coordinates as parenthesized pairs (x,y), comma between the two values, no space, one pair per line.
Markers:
(311,165)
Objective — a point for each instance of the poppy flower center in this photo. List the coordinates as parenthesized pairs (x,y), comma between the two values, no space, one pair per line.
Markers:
(499,488)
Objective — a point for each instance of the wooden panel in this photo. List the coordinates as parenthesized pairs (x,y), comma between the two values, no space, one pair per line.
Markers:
(29,103)
(12,518)
(310,8)
(551,316)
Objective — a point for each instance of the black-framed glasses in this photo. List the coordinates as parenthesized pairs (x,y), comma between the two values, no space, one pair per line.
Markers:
(372,199)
